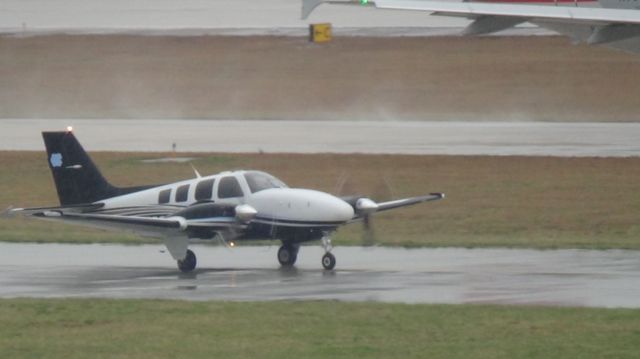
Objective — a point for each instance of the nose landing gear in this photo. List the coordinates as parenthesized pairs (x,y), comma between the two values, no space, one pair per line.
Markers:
(328,259)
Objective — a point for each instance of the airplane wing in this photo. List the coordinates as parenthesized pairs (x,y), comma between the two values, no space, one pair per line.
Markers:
(145,224)
(364,207)
(35,210)
(594,16)
(384,206)
(618,28)
(215,223)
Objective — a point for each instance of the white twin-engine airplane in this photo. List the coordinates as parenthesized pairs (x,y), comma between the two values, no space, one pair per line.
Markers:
(238,205)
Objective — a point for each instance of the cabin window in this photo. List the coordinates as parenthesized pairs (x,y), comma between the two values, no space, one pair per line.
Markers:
(164,196)
(259,181)
(182,193)
(204,190)
(229,188)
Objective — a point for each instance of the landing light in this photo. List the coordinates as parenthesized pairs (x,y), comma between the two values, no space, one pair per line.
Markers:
(69,129)
(232,244)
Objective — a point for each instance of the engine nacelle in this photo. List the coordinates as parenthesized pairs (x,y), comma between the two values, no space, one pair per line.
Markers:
(245,213)
(207,210)
(366,206)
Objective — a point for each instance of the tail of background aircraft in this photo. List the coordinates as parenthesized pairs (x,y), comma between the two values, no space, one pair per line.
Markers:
(77,179)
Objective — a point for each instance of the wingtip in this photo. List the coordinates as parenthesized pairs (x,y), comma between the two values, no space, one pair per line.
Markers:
(438,194)
(9,212)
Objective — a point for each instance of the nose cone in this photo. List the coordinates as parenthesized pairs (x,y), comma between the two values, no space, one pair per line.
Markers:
(343,210)
(322,207)
(301,205)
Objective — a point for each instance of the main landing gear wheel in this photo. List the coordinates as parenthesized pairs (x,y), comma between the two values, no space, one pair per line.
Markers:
(328,261)
(187,264)
(287,255)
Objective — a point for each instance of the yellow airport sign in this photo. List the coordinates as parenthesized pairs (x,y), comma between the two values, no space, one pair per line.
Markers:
(320,32)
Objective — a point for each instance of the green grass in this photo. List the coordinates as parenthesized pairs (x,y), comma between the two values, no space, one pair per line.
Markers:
(81,328)
(527,202)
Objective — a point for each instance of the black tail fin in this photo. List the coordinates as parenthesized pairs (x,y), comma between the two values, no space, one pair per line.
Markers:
(77,178)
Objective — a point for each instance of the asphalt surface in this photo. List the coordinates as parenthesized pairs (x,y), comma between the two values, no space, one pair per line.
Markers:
(501,276)
(393,137)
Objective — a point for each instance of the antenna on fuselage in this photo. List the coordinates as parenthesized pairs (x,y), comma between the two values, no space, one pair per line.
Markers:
(195,170)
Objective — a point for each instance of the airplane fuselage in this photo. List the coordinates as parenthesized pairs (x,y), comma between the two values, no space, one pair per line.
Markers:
(229,205)
(287,213)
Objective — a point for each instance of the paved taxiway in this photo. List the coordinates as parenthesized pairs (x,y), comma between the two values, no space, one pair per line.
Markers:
(393,137)
(446,275)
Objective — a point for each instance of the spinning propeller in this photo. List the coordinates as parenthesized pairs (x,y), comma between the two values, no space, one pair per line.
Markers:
(244,214)
(364,207)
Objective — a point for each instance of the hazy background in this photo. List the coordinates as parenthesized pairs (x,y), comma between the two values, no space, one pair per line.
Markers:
(95,59)
(204,14)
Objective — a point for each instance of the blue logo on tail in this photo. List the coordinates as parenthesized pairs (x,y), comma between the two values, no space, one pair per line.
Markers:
(56,160)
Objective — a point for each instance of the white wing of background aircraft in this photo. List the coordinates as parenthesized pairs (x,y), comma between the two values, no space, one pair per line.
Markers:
(614,27)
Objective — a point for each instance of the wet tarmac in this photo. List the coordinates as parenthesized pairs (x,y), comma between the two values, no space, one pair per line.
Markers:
(447,275)
(390,137)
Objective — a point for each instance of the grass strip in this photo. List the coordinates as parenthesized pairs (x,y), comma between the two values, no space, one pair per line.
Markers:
(527,202)
(166,329)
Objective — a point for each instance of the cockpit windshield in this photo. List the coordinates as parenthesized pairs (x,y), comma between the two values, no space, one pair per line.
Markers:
(259,181)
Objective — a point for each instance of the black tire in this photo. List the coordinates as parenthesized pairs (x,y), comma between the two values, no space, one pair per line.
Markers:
(328,261)
(287,255)
(189,262)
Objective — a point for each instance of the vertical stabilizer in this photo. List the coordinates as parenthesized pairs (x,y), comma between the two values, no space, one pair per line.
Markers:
(77,178)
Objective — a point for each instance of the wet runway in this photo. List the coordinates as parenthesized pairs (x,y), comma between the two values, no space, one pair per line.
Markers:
(447,275)
(392,137)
